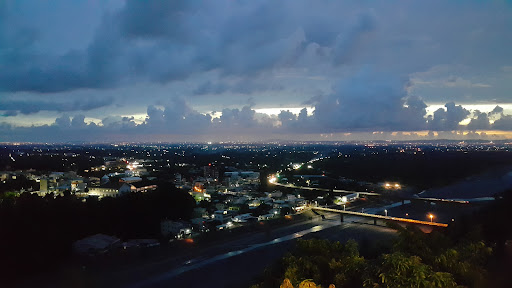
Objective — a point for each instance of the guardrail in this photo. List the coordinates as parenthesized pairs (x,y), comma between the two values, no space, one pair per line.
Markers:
(324,189)
(381,217)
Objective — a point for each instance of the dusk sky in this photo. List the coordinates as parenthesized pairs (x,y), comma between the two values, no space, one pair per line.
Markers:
(91,70)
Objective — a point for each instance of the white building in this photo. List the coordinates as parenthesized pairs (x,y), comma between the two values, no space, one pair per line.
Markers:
(242,218)
(175,228)
(222,215)
(136,187)
(346,198)
(96,244)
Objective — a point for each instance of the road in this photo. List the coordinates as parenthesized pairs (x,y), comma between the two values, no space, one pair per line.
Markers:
(324,189)
(202,262)
(243,270)
(230,263)
(150,274)
(239,266)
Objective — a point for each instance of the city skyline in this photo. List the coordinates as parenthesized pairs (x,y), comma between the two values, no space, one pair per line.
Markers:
(244,70)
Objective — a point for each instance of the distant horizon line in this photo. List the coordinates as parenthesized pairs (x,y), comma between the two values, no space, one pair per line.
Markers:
(482,141)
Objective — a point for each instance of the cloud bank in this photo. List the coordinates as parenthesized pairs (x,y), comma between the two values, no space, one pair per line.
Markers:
(363,67)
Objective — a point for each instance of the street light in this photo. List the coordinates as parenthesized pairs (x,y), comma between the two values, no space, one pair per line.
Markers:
(386,212)
(431,217)
(343,207)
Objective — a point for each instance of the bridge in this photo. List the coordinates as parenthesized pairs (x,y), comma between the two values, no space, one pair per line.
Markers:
(450,201)
(324,189)
(375,217)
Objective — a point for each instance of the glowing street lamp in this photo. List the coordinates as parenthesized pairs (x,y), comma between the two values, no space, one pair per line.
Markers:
(386,212)
(431,217)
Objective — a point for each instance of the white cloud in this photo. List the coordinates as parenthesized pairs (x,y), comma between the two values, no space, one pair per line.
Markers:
(135,55)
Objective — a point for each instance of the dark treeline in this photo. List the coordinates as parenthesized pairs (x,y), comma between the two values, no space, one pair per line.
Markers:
(472,252)
(37,232)
(21,182)
(431,169)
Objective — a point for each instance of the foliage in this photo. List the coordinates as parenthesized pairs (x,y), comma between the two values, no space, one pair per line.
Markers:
(262,209)
(320,261)
(39,231)
(399,270)
(417,259)
(21,182)
(460,255)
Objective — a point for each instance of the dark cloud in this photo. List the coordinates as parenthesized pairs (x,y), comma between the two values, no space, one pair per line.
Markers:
(177,117)
(32,73)
(284,51)
(10,113)
(118,123)
(448,119)
(370,101)
(78,122)
(31,106)
(244,86)
(237,118)
(177,121)
(211,88)
(286,117)
(155,19)
(479,121)
(504,123)
(347,44)
(496,110)
(63,122)
(164,41)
